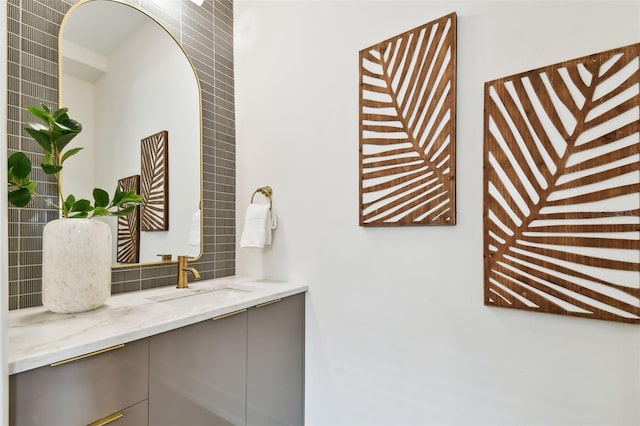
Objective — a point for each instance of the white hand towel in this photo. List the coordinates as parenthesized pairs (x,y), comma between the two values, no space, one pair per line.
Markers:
(257,226)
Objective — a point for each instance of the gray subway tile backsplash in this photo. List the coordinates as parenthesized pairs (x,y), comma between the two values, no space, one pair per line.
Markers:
(32,36)
(125,286)
(43,11)
(29,285)
(13,279)
(13,302)
(163,281)
(29,300)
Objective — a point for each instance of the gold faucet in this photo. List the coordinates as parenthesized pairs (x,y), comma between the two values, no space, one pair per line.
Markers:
(183,270)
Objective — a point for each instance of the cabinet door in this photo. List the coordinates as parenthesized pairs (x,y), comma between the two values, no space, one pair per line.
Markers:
(138,415)
(275,363)
(197,374)
(82,391)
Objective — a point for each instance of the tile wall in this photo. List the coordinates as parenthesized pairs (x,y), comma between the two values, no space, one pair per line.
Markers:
(206,34)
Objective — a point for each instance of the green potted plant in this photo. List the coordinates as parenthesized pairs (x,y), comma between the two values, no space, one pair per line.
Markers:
(76,251)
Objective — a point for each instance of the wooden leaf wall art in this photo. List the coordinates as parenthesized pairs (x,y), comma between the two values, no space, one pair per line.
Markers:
(129,226)
(155,182)
(562,188)
(407,128)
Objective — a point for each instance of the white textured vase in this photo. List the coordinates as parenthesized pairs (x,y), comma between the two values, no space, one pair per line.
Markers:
(76,265)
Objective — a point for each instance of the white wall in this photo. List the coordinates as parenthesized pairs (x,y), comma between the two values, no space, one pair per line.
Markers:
(138,72)
(78,174)
(155,89)
(397,333)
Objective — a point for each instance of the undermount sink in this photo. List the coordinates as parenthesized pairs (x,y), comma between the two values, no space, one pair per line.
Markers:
(185,297)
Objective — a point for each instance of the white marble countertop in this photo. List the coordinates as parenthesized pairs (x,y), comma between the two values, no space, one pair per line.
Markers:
(37,337)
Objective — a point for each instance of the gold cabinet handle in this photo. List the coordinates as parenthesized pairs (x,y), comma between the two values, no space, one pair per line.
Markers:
(230,314)
(268,303)
(106,420)
(76,358)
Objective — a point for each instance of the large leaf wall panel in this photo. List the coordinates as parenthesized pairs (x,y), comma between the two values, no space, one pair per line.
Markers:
(562,188)
(407,127)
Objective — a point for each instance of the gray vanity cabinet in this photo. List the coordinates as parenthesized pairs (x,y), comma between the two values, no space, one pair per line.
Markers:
(136,415)
(242,368)
(111,385)
(198,374)
(275,363)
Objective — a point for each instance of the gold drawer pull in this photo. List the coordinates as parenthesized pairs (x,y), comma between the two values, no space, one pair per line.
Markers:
(268,303)
(106,420)
(230,314)
(101,351)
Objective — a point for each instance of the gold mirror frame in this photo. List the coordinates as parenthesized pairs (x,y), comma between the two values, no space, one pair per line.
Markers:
(200,127)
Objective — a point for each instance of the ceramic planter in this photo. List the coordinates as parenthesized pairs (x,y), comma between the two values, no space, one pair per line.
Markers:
(76,265)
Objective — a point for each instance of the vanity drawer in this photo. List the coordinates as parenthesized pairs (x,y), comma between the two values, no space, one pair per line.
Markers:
(137,415)
(81,391)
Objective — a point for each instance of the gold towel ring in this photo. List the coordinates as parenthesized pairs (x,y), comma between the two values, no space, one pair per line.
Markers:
(266,191)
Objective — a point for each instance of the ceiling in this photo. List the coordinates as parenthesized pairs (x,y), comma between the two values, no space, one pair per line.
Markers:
(83,29)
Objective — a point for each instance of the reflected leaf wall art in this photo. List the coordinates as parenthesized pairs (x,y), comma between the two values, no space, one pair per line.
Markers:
(154,151)
(129,226)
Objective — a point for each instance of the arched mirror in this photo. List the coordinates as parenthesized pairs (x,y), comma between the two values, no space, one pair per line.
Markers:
(126,79)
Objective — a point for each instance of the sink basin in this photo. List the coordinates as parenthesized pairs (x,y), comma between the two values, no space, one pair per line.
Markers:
(186,297)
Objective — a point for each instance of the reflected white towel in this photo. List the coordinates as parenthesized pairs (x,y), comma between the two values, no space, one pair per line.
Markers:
(194,232)
(258,224)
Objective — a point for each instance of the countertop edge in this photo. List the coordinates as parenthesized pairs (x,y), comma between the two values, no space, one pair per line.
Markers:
(18,363)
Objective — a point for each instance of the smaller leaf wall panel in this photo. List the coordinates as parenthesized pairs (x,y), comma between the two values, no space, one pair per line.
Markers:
(407,127)
(562,188)
(155,182)
(129,226)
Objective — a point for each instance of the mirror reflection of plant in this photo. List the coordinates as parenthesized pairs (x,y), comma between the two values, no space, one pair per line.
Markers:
(53,135)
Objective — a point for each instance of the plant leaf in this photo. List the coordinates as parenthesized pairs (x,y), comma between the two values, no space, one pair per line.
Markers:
(42,114)
(81,205)
(69,124)
(68,203)
(64,139)
(19,166)
(130,197)
(101,211)
(20,197)
(42,137)
(117,196)
(69,153)
(81,215)
(123,212)
(50,169)
(60,113)
(101,197)
(49,158)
